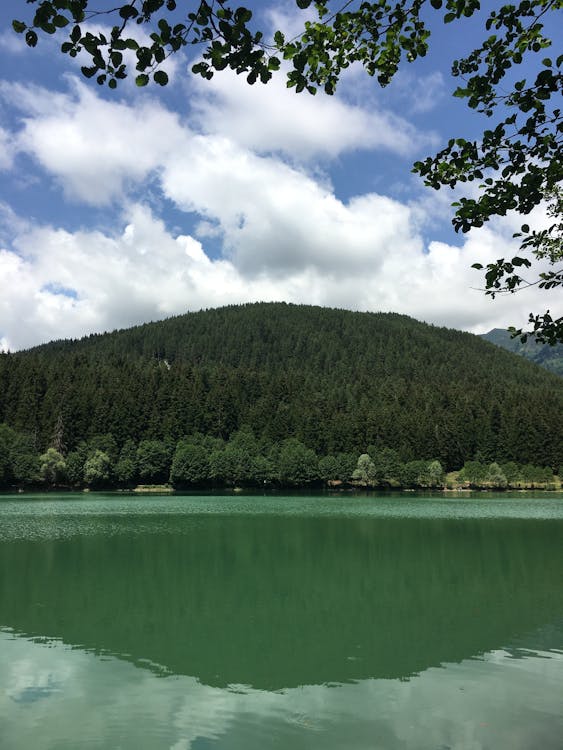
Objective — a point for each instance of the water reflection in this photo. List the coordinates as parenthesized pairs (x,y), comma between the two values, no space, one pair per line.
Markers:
(277,602)
(126,627)
(494,702)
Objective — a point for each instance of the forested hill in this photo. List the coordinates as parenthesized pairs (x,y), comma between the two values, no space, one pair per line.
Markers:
(338,381)
(550,357)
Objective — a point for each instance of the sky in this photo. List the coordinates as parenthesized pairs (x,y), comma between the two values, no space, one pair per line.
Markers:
(121,207)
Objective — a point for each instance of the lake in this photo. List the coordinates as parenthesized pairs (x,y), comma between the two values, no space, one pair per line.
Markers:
(270,622)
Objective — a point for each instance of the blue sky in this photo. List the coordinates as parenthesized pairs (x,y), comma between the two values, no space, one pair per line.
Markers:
(133,205)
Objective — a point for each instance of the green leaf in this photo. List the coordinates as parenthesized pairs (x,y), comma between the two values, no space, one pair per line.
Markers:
(128,11)
(30,38)
(60,22)
(142,79)
(116,59)
(160,77)
(243,15)
(19,27)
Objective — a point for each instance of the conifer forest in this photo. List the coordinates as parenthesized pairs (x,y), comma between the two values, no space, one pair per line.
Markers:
(276,394)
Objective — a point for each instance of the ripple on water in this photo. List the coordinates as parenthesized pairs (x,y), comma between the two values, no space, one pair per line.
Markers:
(60,516)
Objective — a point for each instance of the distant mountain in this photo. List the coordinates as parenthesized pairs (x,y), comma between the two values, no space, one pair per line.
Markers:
(336,380)
(548,357)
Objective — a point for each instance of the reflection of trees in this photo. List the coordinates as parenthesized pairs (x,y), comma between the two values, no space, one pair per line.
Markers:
(277,602)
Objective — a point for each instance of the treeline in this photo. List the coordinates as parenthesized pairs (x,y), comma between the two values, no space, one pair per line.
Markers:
(336,381)
(199,461)
(480,475)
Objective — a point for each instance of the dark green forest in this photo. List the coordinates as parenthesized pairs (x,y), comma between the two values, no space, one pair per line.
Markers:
(300,392)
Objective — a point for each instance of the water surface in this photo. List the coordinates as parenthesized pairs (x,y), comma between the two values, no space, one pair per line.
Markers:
(281,622)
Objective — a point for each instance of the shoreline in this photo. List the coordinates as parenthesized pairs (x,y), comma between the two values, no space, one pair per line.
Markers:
(163,490)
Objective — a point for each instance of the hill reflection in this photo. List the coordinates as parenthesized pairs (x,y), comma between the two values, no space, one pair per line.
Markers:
(275,602)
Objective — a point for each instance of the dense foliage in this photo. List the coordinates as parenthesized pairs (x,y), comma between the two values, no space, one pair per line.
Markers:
(518,161)
(272,393)
(198,461)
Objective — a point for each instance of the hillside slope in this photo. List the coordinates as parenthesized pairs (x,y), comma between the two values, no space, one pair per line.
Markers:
(549,357)
(337,380)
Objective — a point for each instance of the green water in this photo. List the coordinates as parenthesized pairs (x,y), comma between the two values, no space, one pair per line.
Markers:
(249,622)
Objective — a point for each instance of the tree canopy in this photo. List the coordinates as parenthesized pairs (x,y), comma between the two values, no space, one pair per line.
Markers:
(517,163)
(341,383)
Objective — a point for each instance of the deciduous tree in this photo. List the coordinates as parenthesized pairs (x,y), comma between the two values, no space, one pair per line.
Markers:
(297,464)
(52,466)
(365,470)
(190,465)
(126,467)
(153,461)
(496,476)
(97,469)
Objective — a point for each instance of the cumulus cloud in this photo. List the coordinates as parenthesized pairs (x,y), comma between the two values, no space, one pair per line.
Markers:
(57,284)
(276,218)
(275,118)
(93,147)
(283,234)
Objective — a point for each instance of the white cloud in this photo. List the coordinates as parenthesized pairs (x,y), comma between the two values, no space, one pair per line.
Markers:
(278,219)
(275,118)
(92,146)
(11,224)
(285,235)
(288,18)
(145,273)
(12,43)
(6,149)
(420,93)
